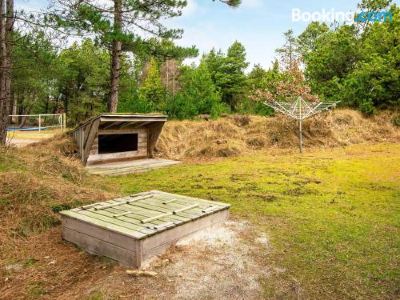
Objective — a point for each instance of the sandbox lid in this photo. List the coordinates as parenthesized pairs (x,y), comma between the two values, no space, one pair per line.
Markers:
(145,214)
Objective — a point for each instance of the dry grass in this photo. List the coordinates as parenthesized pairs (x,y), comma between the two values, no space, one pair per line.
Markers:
(38,181)
(236,135)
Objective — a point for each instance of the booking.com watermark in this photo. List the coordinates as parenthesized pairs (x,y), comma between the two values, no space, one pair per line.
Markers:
(332,15)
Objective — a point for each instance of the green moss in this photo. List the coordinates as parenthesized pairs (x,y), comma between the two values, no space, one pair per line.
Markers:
(36,290)
(8,161)
(29,262)
(96,295)
(333,216)
(35,223)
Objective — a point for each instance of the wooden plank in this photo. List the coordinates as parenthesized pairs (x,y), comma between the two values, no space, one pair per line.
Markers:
(106,225)
(185,209)
(131,167)
(126,200)
(111,125)
(139,254)
(155,203)
(166,214)
(133,219)
(146,203)
(106,221)
(140,213)
(204,208)
(141,208)
(179,212)
(127,164)
(92,134)
(154,131)
(103,248)
(138,131)
(134,115)
(104,234)
(162,225)
(127,124)
(144,227)
(169,195)
(156,217)
(115,157)
(141,124)
(146,209)
(132,119)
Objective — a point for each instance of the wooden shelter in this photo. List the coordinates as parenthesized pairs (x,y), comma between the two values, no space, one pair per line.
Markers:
(135,228)
(117,137)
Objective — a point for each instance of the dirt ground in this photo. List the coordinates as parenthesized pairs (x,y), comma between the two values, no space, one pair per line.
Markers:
(213,263)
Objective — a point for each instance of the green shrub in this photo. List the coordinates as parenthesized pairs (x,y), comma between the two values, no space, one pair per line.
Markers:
(396,121)
(251,107)
(136,105)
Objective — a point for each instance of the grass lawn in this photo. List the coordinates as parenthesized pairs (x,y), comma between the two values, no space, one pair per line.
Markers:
(332,216)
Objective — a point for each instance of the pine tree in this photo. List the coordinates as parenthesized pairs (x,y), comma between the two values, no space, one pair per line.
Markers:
(83,80)
(152,89)
(117,25)
(7,18)
(231,77)
(256,78)
(198,94)
(275,66)
(288,54)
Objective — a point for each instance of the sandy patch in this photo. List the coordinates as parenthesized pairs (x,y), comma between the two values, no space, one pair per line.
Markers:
(21,142)
(215,263)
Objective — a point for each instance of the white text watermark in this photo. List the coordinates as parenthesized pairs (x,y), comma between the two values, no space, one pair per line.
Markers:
(332,16)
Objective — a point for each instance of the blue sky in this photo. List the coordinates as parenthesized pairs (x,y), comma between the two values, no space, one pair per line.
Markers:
(258,24)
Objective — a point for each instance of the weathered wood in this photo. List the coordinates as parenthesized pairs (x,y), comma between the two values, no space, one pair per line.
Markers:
(100,247)
(86,136)
(99,233)
(121,167)
(91,136)
(124,201)
(140,131)
(154,133)
(112,124)
(115,157)
(138,273)
(131,119)
(133,228)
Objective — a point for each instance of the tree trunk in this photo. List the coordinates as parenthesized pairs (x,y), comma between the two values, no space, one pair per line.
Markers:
(9,43)
(3,97)
(6,27)
(115,57)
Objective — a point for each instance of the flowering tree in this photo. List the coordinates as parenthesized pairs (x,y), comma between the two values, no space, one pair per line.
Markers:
(293,98)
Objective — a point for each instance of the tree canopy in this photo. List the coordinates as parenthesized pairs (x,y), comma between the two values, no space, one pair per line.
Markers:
(357,64)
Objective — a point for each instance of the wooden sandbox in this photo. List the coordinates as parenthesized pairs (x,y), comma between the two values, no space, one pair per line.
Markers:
(135,228)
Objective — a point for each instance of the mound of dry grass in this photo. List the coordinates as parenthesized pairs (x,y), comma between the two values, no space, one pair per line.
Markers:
(38,181)
(235,135)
